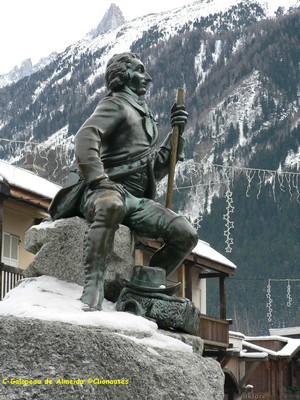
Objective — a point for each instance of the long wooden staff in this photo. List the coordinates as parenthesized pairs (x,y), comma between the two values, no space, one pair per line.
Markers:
(173,157)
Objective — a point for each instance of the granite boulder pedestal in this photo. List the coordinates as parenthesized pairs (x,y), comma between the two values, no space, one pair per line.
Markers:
(58,249)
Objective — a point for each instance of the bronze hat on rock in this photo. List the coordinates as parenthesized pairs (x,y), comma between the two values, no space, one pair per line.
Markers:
(149,280)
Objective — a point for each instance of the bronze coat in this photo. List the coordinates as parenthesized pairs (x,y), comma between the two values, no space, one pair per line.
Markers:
(118,140)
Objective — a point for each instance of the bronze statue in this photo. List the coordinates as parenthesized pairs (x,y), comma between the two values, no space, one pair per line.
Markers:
(117,166)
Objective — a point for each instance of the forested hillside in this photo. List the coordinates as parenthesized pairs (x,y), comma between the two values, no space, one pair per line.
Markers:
(258,142)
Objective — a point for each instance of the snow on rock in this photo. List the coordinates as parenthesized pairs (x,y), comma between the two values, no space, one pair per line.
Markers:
(48,298)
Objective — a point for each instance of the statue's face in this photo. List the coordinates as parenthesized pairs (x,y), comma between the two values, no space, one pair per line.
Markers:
(139,78)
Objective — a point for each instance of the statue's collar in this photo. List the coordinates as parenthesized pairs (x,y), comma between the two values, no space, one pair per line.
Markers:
(133,99)
(130,93)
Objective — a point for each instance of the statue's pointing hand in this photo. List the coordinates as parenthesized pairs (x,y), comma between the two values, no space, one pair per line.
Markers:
(179,117)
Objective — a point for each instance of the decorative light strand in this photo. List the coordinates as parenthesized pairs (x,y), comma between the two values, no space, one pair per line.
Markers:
(202,182)
(269,295)
(197,222)
(38,154)
(227,217)
(262,178)
(269,302)
(207,175)
(288,294)
(249,175)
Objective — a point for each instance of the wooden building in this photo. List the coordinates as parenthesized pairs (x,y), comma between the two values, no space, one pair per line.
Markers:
(279,376)
(24,199)
(268,365)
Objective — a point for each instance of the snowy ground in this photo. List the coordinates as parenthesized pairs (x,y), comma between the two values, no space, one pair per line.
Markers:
(48,298)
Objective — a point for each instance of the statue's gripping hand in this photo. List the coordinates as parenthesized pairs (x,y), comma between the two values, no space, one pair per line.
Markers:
(179,117)
(107,184)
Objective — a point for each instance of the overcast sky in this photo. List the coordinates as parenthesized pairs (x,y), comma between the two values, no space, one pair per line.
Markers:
(35,28)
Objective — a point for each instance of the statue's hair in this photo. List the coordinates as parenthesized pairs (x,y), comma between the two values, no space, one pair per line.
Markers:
(116,75)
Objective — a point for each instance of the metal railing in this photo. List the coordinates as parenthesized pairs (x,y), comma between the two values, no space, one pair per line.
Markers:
(9,276)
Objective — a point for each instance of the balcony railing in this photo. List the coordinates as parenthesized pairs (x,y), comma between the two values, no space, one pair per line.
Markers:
(9,276)
(214,331)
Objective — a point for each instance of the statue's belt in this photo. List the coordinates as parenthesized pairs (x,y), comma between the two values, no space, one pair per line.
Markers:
(119,171)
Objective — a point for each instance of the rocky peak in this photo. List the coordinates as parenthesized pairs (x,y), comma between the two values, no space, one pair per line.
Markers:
(26,69)
(17,73)
(111,20)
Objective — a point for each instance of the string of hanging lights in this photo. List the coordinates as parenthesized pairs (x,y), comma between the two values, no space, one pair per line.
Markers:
(23,152)
(269,295)
(209,178)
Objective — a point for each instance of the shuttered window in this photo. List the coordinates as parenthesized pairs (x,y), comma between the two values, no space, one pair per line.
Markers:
(10,249)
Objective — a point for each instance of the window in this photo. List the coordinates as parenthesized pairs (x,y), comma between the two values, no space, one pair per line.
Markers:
(10,249)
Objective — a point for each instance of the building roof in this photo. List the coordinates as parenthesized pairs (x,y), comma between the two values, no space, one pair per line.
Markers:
(252,346)
(289,346)
(291,331)
(27,180)
(203,249)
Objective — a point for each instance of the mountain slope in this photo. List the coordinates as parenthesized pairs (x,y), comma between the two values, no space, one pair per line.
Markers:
(52,96)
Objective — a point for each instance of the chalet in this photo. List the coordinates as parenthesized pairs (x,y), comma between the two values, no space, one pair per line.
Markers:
(24,199)
(263,367)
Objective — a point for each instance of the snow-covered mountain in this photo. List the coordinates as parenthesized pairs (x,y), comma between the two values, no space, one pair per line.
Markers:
(26,69)
(43,111)
(167,23)
(239,63)
(112,19)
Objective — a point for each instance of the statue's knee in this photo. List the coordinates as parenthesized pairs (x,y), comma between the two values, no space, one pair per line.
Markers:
(110,206)
(184,233)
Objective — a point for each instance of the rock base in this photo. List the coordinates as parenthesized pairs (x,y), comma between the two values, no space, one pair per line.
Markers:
(58,247)
(76,362)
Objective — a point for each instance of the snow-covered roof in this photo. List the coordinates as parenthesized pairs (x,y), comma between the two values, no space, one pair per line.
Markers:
(203,249)
(257,355)
(27,180)
(290,346)
(241,343)
(294,330)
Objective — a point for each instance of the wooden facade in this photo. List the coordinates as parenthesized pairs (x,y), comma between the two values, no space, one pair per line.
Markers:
(269,365)
(19,210)
(279,375)
(214,331)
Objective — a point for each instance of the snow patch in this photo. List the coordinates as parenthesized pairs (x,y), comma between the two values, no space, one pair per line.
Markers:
(51,299)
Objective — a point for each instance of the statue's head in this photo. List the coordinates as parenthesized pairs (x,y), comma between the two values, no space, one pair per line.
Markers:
(126,69)
(116,74)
